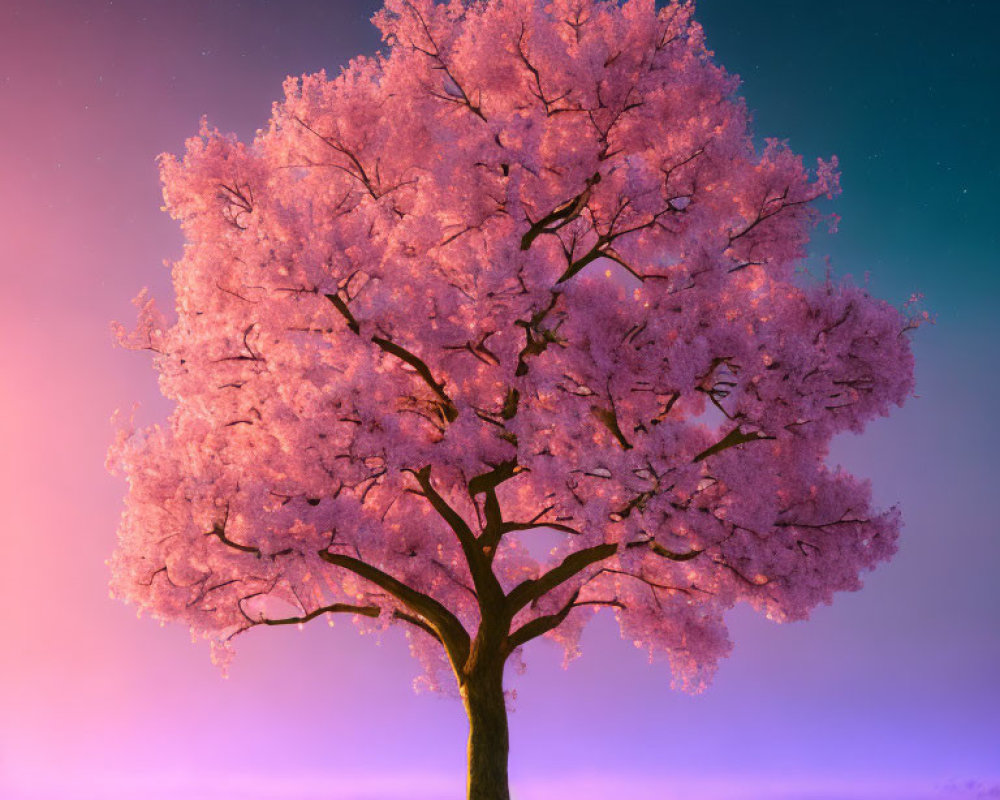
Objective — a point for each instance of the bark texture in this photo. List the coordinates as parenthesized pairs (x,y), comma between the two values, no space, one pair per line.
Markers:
(488,737)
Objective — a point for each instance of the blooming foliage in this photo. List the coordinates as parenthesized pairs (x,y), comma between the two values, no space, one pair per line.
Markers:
(524,270)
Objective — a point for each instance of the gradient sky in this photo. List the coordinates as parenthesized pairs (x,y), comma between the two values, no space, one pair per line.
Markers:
(892,693)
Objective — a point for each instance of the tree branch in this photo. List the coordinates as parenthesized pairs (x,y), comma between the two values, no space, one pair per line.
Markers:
(731,439)
(447,626)
(535,346)
(336,608)
(530,590)
(219,530)
(436,56)
(419,623)
(488,589)
(539,626)
(561,215)
(660,550)
(528,526)
(487,483)
(609,419)
(358,173)
(448,407)
(612,603)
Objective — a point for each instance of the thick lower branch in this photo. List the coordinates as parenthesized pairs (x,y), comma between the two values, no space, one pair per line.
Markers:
(540,625)
(447,626)
(530,590)
(417,622)
(488,589)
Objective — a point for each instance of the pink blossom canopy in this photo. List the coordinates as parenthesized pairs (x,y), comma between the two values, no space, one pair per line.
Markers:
(523,270)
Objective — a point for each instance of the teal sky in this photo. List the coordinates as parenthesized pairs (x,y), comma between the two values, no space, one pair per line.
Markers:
(904,93)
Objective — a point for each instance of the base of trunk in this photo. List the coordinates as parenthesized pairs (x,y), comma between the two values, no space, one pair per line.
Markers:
(489,744)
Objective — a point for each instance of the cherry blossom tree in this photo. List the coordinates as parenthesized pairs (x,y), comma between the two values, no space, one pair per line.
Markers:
(524,270)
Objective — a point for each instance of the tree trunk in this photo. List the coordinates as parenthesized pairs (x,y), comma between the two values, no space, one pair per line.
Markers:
(488,741)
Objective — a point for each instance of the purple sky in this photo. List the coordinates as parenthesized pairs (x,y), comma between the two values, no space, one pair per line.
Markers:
(891,693)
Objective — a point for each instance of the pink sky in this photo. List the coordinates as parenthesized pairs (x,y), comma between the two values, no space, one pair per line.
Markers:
(889,694)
